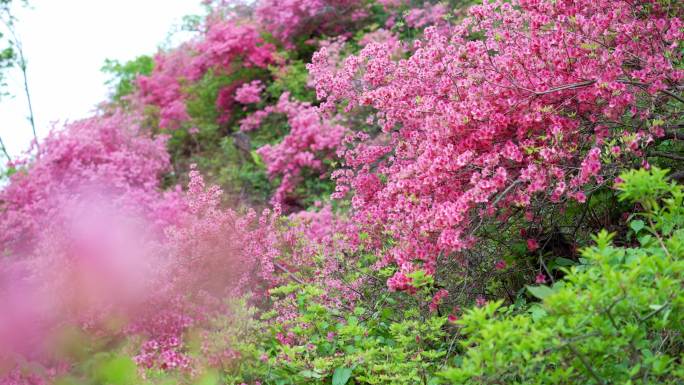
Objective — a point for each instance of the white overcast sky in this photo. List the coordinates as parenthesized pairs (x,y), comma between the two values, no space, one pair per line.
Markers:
(66,43)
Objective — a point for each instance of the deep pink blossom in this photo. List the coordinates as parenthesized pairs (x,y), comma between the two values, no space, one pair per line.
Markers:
(532,245)
(540,278)
(437,299)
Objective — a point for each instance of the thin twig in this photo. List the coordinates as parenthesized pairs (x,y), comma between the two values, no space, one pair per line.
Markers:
(657,236)
(679,175)
(666,155)
(288,272)
(571,86)
(586,83)
(654,312)
(673,133)
(4,150)
(586,364)
(610,316)
(672,94)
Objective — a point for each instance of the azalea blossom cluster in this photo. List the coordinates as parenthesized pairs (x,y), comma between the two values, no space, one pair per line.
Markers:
(163,88)
(311,141)
(88,237)
(250,93)
(226,45)
(211,254)
(287,19)
(328,236)
(103,156)
(98,262)
(515,104)
(79,223)
(429,14)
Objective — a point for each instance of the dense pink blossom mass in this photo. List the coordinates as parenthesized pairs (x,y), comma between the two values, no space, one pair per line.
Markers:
(472,126)
(310,141)
(286,19)
(104,157)
(250,92)
(430,125)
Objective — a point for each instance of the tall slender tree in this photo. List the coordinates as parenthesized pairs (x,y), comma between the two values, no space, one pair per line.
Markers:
(13,55)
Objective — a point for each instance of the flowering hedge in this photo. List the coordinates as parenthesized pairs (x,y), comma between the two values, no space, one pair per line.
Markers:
(470,153)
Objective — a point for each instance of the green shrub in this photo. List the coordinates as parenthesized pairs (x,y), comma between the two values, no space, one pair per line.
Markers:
(617,318)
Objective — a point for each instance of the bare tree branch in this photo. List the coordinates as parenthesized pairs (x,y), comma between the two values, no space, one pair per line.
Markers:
(673,95)
(666,155)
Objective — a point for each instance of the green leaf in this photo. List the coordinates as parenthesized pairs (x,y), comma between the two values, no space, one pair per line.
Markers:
(256,158)
(560,261)
(537,313)
(637,226)
(310,374)
(341,376)
(540,292)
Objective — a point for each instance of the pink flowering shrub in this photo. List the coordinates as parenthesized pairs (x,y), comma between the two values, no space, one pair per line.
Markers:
(108,156)
(389,4)
(310,142)
(288,19)
(226,46)
(429,14)
(80,224)
(88,236)
(250,93)
(225,102)
(335,52)
(227,41)
(97,261)
(382,36)
(515,105)
(324,235)
(163,88)
(211,255)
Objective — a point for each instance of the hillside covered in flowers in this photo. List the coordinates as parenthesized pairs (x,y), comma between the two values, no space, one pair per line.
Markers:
(363,192)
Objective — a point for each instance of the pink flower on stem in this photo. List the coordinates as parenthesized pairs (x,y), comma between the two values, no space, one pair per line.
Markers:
(437,299)
(532,244)
(540,278)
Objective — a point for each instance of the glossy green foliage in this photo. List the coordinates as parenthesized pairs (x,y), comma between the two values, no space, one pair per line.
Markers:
(618,318)
(381,345)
